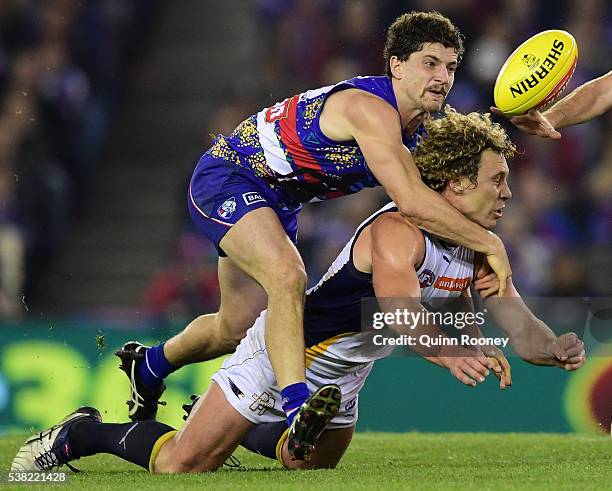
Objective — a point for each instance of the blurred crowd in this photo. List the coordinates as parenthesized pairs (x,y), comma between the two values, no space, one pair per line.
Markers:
(68,70)
(558,227)
(63,70)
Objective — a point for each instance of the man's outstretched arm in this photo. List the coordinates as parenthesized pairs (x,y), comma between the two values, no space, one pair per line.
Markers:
(530,337)
(377,129)
(588,101)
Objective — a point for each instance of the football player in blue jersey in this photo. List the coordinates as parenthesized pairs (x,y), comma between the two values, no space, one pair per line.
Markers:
(464,160)
(249,186)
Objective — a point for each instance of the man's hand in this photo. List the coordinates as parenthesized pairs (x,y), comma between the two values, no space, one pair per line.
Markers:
(498,260)
(567,351)
(533,123)
(487,285)
(469,366)
(501,366)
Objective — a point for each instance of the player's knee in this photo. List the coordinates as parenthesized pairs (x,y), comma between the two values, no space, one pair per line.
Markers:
(172,467)
(229,333)
(287,279)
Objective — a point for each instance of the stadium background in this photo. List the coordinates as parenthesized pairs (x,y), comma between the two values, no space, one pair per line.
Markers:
(105,108)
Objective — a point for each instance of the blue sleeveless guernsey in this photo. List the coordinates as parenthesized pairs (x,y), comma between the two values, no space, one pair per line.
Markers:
(284,145)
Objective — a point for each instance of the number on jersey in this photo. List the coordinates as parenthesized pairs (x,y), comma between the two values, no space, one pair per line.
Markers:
(278,111)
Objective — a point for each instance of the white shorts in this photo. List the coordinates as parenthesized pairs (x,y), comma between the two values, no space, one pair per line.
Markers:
(249,384)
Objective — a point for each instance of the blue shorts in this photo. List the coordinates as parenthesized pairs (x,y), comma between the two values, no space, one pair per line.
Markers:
(221,193)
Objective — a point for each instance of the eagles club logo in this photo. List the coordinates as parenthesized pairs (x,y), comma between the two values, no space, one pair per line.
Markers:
(426,278)
(227,208)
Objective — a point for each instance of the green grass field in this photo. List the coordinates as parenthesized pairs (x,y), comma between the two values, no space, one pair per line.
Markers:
(385,461)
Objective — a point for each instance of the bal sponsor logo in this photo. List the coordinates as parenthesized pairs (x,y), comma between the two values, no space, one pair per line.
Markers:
(252,197)
(228,208)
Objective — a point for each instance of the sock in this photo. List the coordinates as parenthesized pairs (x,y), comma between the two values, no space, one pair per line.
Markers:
(262,439)
(293,396)
(133,442)
(155,367)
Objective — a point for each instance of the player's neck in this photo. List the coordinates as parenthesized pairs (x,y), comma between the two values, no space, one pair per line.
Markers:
(410,115)
(414,121)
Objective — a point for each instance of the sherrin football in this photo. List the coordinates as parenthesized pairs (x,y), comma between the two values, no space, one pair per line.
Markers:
(536,72)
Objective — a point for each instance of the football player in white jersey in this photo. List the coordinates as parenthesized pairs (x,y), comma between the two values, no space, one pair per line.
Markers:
(248,188)
(465,161)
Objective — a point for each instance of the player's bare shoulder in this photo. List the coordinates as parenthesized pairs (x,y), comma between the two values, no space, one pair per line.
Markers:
(396,239)
(348,109)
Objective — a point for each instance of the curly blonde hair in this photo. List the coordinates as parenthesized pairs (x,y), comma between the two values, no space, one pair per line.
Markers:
(454,145)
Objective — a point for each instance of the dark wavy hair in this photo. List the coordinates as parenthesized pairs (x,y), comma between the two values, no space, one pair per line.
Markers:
(410,31)
(454,145)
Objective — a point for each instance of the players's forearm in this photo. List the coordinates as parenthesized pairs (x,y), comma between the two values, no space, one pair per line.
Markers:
(432,213)
(472,330)
(532,343)
(583,104)
(529,336)
(570,110)
(396,170)
(427,332)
